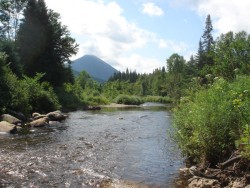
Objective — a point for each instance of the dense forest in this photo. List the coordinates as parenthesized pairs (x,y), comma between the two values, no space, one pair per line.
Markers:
(211,90)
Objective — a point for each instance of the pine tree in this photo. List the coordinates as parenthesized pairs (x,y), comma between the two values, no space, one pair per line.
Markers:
(207,37)
(204,57)
(200,60)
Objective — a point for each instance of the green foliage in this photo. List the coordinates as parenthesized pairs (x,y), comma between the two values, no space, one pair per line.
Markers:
(12,59)
(177,76)
(83,78)
(129,100)
(70,96)
(208,123)
(25,95)
(41,96)
(232,55)
(96,100)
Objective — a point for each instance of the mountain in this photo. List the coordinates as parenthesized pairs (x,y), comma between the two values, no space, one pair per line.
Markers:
(97,68)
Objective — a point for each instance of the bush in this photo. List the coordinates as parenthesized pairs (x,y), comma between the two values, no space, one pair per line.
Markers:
(208,124)
(96,100)
(13,95)
(26,95)
(129,100)
(41,96)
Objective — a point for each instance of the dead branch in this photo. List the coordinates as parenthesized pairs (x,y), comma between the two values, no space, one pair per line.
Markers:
(229,162)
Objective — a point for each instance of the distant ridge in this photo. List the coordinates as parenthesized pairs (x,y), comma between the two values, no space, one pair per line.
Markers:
(97,68)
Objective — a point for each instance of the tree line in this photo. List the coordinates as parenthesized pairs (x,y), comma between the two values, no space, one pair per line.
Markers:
(226,57)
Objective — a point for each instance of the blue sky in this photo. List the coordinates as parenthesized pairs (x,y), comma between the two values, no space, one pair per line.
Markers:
(141,34)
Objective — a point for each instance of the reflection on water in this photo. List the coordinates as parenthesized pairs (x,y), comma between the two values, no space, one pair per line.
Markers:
(107,148)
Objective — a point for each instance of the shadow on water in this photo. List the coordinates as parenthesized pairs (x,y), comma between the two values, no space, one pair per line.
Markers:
(126,147)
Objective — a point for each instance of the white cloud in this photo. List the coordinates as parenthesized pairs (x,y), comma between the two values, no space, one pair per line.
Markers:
(152,10)
(227,15)
(100,29)
(140,63)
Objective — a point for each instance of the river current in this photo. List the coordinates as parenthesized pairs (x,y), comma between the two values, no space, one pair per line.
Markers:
(128,147)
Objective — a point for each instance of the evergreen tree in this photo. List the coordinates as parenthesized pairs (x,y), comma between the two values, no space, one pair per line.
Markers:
(44,44)
(12,59)
(207,37)
(191,69)
(204,57)
(200,56)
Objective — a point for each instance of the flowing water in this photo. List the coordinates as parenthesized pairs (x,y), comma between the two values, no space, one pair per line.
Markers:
(108,148)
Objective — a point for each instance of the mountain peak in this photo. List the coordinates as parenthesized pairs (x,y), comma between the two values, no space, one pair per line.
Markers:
(96,67)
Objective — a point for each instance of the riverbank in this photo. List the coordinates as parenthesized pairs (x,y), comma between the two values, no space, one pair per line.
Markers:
(232,173)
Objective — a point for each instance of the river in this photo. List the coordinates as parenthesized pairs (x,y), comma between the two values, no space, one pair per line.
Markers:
(125,147)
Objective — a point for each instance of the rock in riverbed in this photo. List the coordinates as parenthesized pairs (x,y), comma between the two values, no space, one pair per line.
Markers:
(7,127)
(39,122)
(203,183)
(52,116)
(56,116)
(10,119)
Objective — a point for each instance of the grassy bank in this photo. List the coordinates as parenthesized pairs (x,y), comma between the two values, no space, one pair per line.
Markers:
(213,122)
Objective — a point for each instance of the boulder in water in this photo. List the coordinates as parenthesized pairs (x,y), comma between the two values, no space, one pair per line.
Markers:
(39,122)
(36,115)
(10,119)
(56,116)
(7,127)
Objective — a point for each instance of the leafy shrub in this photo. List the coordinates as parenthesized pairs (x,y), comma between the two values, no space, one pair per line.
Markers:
(41,96)
(129,100)
(208,124)
(96,100)
(13,95)
(26,95)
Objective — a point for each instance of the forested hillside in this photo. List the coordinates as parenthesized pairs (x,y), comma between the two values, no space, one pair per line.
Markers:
(96,68)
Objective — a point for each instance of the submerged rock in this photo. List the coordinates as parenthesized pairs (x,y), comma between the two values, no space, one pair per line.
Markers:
(7,127)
